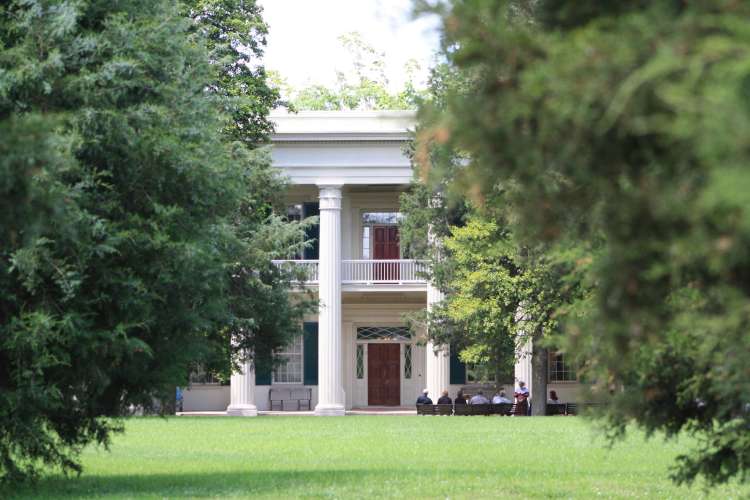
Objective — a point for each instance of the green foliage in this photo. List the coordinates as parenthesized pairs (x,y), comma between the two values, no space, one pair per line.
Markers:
(624,126)
(365,87)
(135,236)
(235,35)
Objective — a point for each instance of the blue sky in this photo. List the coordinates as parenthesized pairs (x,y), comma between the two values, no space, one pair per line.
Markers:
(303,45)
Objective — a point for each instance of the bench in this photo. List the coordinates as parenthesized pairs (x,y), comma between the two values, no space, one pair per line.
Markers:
(301,395)
(557,409)
(575,408)
(467,410)
(434,409)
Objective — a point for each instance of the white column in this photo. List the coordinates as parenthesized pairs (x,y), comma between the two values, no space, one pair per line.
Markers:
(330,372)
(522,370)
(242,392)
(437,358)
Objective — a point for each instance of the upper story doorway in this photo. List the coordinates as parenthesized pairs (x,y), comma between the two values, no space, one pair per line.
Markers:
(380,241)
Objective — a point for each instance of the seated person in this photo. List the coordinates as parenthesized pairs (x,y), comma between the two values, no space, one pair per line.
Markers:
(444,399)
(500,398)
(553,399)
(479,399)
(423,399)
(460,398)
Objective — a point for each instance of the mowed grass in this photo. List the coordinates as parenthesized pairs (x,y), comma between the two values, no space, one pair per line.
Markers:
(373,456)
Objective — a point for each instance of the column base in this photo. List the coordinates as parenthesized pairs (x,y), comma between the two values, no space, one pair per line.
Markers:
(242,411)
(330,410)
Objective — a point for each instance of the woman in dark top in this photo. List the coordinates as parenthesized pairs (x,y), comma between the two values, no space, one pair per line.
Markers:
(444,399)
(460,399)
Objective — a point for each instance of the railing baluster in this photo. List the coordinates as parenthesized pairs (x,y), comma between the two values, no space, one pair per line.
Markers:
(363,271)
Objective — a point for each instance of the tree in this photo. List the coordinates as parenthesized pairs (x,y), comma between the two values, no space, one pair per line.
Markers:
(132,222)
(624,126)
(364,86)
(235,34)
(499,293)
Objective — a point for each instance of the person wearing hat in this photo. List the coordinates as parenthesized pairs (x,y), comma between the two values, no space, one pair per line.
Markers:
(424,399)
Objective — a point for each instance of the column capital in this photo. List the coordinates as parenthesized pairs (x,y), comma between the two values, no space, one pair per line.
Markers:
(330,196)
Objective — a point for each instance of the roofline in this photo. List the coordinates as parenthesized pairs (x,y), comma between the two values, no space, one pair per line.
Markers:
(346,126)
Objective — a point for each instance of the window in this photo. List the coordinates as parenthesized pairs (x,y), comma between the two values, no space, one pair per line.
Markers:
(395,333)
(200,376)
(407,361)
(294,212)
(366,242)
(360,361)
(369,218)
(560,370)
(290,371)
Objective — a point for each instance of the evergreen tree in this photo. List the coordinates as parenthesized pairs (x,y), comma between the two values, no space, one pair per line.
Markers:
(622,125)
(132,224)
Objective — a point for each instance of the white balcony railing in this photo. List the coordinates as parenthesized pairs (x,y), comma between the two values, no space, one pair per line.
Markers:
(309,268)
(378,271)
(382,271)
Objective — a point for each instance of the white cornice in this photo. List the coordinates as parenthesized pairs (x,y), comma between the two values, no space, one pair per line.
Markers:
(344,126)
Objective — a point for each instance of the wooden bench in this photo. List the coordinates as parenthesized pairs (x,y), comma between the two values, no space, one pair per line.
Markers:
(302,396)
(503,409)
(557,409)
(434,409)
(575,408)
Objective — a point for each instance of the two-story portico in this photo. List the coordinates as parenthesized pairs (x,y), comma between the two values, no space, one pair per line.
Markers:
(349,168)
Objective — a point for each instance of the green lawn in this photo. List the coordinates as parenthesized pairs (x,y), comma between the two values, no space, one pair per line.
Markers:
(409,457)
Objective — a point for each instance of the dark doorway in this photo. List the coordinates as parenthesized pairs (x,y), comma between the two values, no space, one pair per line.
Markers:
(386,246)
(383,374)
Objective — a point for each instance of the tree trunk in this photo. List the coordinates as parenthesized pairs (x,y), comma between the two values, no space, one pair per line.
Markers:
(539,378)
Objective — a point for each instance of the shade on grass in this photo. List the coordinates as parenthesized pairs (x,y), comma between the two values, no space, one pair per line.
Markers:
(383,456)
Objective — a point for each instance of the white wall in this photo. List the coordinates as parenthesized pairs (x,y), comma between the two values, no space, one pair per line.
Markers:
(205,397)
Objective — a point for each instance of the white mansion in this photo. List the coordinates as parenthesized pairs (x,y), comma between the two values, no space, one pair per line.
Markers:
(350,168)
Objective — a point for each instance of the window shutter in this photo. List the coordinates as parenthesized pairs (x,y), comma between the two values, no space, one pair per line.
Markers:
(312,233)
(457,368)
(263,372)
(310,350)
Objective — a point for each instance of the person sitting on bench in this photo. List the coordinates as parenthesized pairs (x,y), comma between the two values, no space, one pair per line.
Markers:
(460,398)
(479,399)
(444,399)
(423,399)
(553,399)
(500,398)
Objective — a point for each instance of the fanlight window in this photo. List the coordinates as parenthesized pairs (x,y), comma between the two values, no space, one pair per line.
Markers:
(394,333)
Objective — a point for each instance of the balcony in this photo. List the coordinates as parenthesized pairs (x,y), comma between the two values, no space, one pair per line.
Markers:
(356,273)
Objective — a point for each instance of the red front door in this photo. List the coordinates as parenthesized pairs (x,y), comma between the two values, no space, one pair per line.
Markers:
(383,374)
(385,246)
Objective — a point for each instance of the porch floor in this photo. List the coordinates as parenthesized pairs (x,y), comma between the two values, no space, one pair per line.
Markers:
(366,410)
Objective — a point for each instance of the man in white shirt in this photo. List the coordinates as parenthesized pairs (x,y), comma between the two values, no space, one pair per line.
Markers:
(479,399)
(500,398)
